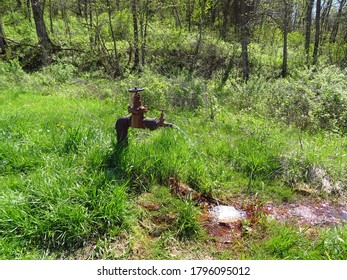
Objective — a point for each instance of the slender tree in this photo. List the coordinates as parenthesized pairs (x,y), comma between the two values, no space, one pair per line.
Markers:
(202,4)
(242,18)
(65,18)
(295,14)
(2,40)
(177,13)
(82,9)
(19,4)
(245,8)
(88,16)
(308,22)
(325,15)
(28,9)
(283,18)
(337,21)
(136,36)
(144,17)
(214,10)
(51,17)
(288,6)
(317,32)
(116,58)
(190,5)
(41,31)
(226,15)
(79,8)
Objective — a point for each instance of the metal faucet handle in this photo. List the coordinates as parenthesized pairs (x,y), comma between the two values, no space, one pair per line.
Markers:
(136,89)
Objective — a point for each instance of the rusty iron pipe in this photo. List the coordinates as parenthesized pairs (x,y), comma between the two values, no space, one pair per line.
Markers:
(122,126)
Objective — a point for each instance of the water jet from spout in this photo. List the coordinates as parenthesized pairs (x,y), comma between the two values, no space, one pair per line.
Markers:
(182,131)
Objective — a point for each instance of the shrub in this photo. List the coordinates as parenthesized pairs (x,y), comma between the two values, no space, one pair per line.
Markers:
(309,99)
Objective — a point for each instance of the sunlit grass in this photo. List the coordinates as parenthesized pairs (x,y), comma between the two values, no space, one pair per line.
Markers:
(65,184)
(55,193)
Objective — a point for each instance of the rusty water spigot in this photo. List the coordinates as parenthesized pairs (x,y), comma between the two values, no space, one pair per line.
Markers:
(137,110)
(162,122)
(137,118)
(137,96)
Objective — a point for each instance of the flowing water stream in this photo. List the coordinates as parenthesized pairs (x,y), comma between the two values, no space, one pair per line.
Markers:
(192,144)
(184,133)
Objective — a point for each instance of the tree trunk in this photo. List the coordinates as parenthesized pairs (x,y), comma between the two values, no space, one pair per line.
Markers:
(226,15)
(189,13)
(317,32)
(285,53)
(136,36)
(285,28)
(19,4)
(236,15)
(51,16)
(325,15)
(198,44)
(65,18)
(79,8)
(245,34)
(308,30)
(337,22)
(88,9)
(177,14)
(28,10)
(296,16)
(41,31)
(213,12)
(116,59)
(144,25)
(82,8)
(2,40)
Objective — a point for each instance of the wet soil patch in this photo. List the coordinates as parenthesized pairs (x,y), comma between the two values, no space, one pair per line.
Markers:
(223,221)
(227,221)
(223,232)
(309,212)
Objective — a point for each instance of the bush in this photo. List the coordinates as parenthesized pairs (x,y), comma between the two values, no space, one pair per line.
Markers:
(310,100)
(61,71)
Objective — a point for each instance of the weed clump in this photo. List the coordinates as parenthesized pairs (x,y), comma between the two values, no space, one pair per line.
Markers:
(187,223)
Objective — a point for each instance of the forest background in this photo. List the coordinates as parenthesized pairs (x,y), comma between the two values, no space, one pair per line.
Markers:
(258,87)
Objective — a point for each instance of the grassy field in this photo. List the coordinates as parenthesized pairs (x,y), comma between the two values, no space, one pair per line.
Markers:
(68,191)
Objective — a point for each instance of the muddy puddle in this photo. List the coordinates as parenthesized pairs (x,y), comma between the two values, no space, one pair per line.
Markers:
(223,222)
(308,213)
(227,221)
(233,221)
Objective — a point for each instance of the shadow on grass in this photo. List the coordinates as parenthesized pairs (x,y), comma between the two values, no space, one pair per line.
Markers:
(115,160)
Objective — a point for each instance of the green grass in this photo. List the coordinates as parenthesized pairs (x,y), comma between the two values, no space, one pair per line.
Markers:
(67,188)
(288,242)
(55,192)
